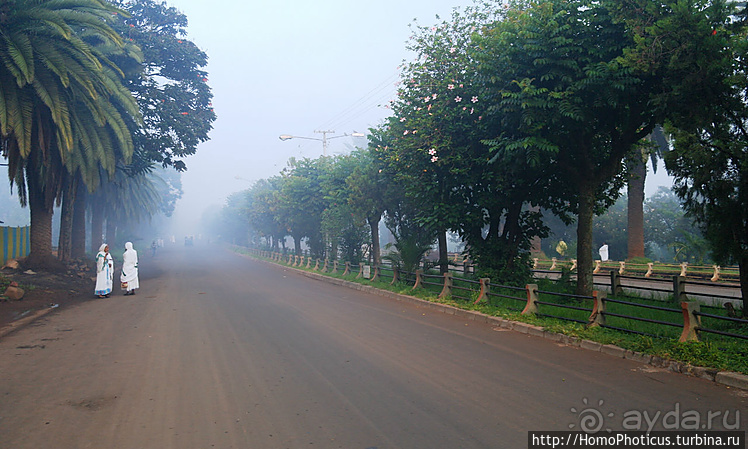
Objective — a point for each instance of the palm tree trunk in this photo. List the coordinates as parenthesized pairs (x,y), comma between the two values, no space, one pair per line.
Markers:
(41,203)
(743,265)
(636,179)
(78,244)
(65,241)
(97,226)
(111,232)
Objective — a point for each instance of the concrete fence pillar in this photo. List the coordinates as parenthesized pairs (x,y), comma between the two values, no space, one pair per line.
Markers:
(447,289)
(622,267)
(334,266)
(395,276)
(419,279)
(597,318)
(650,269)
(615,283)
(553,264)
(683,269)
(290,259)
(573,265)
(309,261)
(534,263)
(347,270)
(360,271)
(325,266)
(715,278)
(679,288)
(375,275)
(485,287)
(597,266)
(316,265)
(691,321)
(532,297)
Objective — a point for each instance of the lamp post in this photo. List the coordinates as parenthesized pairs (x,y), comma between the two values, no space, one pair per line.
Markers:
(324,138)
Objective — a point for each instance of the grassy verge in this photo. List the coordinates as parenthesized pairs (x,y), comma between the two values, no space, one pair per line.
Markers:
(714,351)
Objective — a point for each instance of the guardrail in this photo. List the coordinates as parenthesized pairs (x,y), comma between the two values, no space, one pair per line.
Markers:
(597,310)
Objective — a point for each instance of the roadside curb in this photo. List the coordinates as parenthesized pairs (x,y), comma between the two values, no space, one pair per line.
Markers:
(23,322)
(728,379)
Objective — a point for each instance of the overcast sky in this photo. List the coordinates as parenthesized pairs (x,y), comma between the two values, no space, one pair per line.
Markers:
(292,67)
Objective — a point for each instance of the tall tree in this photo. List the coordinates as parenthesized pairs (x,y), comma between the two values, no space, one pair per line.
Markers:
(60,97)
(579,76)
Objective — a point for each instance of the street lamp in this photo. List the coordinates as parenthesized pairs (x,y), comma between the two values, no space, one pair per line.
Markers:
(324,138)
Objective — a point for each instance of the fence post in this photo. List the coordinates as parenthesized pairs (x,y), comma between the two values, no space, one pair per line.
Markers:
(691,321)
(715,278)
(324,268)
(553,265)
(290,259)
(485,286)
(360,271)
(615,283)
(622,268)
(334,266)
(375,276)
(316,265)
(597,318)
(309,261)
(448,282)
(419,280)
(395,275)
(532,297)
(650,268)
(597,266)
(534,263)
(683,268)
(679,288)
(573,265)
(347,270)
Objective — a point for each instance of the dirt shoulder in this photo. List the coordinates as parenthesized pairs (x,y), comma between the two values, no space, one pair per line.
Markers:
(45,290)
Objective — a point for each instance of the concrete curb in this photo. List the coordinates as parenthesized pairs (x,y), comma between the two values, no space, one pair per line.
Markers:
(23,322)
(726,378)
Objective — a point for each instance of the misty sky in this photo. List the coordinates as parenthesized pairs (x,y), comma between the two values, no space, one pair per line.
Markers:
(293,67)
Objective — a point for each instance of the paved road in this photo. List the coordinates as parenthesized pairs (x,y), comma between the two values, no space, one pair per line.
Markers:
(220,351)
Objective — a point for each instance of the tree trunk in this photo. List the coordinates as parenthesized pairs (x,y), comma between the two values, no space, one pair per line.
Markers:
(78,244)
(65,241)
(636,179)
(375,249)
(585,284)
(41,232)
(743,265)
(297,245)
(443,256)
(111,232)
(97,227)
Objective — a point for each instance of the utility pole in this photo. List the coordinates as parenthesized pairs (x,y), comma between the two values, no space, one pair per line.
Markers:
(324,140)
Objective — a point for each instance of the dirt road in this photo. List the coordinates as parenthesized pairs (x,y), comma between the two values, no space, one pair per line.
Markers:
(219,351)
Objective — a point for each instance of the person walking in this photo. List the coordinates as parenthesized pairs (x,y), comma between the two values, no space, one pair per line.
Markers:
(104,272)
(604,252)
(129,276)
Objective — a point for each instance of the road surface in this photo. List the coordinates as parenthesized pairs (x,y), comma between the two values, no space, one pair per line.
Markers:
(221,351)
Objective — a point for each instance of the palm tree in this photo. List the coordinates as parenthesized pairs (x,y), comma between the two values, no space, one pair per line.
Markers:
(61,102)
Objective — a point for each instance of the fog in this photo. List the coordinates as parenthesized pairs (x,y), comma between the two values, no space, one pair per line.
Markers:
(292,67)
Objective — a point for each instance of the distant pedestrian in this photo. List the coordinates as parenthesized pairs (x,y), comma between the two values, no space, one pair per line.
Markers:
(104,272)
(604,252)
(154,245)
(129,277)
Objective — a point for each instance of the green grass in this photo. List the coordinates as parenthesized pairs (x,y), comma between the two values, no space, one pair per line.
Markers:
(714,351)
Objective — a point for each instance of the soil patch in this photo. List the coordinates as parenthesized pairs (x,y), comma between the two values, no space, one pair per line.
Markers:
(46,289)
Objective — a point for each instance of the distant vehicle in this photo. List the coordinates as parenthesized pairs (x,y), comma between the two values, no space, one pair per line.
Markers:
(189,240)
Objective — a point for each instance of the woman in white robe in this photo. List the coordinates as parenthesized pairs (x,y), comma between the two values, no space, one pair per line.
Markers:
(129,277)
(104,272)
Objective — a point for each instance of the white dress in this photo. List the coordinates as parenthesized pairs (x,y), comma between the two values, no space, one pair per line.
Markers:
(130,268)
(104,273)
